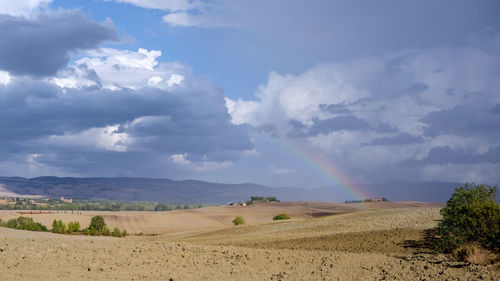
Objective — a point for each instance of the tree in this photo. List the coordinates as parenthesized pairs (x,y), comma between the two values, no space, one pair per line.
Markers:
(98,224)
(471,216)
(238,220)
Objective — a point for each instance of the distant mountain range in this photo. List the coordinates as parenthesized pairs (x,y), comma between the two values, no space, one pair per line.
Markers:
(193,191)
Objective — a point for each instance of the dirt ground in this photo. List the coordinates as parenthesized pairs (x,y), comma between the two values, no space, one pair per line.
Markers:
(193,220)
(362,242)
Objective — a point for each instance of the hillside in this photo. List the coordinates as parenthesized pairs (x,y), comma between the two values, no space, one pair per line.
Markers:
(193,191)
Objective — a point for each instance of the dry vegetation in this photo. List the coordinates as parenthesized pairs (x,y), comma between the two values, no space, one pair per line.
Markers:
(373,241)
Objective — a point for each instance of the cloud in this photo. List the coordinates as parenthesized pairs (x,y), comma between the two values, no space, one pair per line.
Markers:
(401,139)
(42,45)
(92,121)
(447,155)
(288,97)
(496,109)
(282,171)
(184,19)
(4,77)
(463,120)
(171,5)
(386,118)
(22,7)
(106,138)
(115,69)
(199,166)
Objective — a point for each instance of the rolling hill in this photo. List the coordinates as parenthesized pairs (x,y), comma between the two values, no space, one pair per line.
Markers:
(194,191)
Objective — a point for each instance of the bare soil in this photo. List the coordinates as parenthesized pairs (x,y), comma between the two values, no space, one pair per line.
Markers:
(361,242)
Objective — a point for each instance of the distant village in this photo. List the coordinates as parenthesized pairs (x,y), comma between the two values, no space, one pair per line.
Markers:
(35,200)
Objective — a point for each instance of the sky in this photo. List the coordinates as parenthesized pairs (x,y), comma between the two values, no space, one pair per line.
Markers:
(282,93)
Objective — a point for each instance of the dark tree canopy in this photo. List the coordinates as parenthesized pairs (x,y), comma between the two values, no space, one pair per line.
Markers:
(471,216)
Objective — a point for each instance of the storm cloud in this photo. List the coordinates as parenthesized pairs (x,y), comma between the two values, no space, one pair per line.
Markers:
(43,44)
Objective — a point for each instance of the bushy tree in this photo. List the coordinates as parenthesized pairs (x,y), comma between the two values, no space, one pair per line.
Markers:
(58,226)
(471,216)
(238,220)
(98,224)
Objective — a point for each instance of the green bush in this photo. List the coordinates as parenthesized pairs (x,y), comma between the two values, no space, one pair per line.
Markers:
(93,231)
(106,231)
(86,231)
(116,232)
(471,216)
(238,220)
(25,223)
(58,226)
(98,224)
(124,233)
(73,226)
(281,217)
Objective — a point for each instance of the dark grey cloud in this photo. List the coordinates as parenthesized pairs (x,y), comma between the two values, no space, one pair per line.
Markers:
(446,155)
(400,139)
(347,123)
(37,117)
(340,123)
(496,109)
(463,121)
(338,108)
(42,45)
(418,87)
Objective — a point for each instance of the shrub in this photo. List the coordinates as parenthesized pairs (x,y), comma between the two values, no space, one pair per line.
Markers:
(93,231)
(471,216)
(124,233)
(58,226)
(86,231)
(106,231)
(73,226)
(98,224)
(281,217)
(25,223)
(116,232)
(238,220)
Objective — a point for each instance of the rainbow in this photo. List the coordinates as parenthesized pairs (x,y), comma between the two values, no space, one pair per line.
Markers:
(332,173)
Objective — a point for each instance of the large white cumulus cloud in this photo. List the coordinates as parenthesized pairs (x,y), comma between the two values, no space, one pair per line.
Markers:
(381,118)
